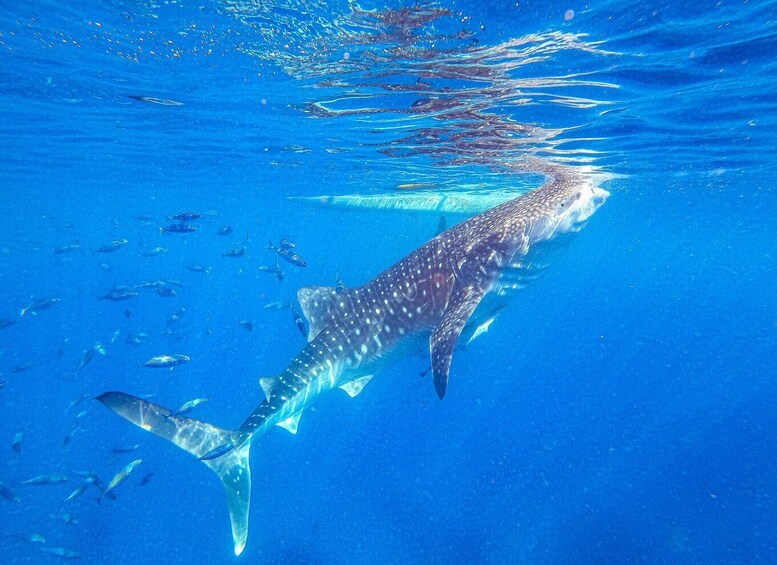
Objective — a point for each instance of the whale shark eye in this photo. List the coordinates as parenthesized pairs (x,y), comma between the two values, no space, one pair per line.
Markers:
(579,194)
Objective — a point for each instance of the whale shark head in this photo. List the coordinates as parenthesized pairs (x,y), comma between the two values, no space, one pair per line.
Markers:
(577,206)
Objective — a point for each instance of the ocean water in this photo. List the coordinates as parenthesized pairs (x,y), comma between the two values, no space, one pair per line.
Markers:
(621,409)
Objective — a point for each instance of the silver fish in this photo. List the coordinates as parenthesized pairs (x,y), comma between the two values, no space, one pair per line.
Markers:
(165,361)
(40,304)
(187,407)
(61,552)
(52,479)
(119,477)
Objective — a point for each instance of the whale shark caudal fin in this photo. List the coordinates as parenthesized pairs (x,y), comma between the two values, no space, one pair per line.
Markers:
(225,452)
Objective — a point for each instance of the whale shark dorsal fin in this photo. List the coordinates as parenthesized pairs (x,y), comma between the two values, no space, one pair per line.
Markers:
(354,387)
(291,424)
(318,303)
(267,384)
(444,337)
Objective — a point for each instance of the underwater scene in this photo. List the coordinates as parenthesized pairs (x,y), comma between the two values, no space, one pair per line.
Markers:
(386,282)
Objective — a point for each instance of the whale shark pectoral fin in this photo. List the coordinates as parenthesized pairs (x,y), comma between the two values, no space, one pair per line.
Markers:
(443,340)
(317,303)
(354,387)
(291,424)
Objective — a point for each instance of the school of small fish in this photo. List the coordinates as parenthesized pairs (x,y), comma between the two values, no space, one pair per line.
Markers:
(63,507)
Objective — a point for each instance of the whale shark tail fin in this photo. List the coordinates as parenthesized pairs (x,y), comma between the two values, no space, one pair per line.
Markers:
(225,452)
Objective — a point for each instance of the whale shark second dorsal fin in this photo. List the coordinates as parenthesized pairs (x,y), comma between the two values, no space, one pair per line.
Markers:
(318,303)
(267,384)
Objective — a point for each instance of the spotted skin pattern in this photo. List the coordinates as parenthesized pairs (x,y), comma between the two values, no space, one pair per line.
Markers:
(424,300)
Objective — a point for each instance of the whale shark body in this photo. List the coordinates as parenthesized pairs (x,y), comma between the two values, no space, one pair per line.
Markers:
(426,300)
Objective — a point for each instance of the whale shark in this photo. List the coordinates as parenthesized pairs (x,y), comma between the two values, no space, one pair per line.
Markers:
(426,301)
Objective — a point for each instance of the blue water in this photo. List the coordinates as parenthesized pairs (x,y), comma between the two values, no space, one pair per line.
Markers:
(620,411)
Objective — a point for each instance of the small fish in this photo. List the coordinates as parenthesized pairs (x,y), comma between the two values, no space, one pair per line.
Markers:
(62,552)
(52,479)
(8,494)
(114,337)
(77,401)
(286,244)
(166,292)
(127,313)
(120,476)
(238,252)
(32,538)
(189,406)
(125,449)
(155,100)
(178,228)
(86,357)
(135,339)
(16,444)
(298,321)
(185,216)
(90,477)
(67,248)
(177,315)
(115,245)
(40,304)
(164,361)
(146,479)
(144,220)
(67,518)
(275,271)
(198,269)
(225,230)
(150,284)
(154,252)
(21,368)
(80,490)
(5,323)
(247,325)
(75,427)
(277,305)
(288,255)
(2,384)
(120,294)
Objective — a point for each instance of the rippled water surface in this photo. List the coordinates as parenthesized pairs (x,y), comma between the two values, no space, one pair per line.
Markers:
(620,410)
